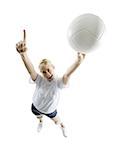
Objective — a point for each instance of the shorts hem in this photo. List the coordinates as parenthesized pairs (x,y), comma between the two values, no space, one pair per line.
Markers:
(38,113)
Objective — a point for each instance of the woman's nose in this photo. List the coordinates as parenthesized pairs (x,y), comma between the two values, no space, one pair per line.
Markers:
(48,73)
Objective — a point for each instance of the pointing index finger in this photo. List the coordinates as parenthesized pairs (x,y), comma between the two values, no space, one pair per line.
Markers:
(24,38)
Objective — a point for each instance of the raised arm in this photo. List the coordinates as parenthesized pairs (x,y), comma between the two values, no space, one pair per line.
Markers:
(73,67)
(21,48)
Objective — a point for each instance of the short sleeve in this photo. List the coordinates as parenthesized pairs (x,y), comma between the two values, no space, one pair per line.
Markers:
(60,83)
(37,81)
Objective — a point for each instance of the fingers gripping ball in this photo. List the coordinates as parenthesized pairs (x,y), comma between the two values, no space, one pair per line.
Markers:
(84,32)
(21,46)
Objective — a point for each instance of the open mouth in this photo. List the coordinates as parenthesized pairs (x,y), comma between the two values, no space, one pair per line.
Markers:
(51,77)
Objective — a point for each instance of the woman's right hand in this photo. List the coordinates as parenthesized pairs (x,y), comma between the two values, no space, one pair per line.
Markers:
(81,57)
(21,46)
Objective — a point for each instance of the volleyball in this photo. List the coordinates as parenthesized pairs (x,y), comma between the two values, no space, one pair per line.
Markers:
(85,31)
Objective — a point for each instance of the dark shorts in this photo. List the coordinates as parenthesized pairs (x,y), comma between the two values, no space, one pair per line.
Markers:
(37,113)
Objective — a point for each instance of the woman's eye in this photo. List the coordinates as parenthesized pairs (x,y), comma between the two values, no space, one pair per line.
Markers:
(44,72)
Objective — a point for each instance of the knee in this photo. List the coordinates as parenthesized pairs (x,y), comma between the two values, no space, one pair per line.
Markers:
(56,122)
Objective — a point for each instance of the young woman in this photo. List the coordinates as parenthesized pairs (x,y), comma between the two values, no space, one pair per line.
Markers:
(46,95)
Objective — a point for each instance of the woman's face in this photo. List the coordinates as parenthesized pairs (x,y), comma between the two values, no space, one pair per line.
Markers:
(47,71)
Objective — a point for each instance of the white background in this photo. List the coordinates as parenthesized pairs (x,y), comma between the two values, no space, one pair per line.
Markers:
(85,107)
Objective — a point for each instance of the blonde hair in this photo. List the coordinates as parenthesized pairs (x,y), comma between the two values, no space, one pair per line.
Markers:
(44,62)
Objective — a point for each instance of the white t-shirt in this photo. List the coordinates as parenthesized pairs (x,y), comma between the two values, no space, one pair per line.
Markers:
(46,95)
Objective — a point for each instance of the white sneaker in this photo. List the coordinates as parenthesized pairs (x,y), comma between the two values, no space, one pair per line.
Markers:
(39,126)
(64,131)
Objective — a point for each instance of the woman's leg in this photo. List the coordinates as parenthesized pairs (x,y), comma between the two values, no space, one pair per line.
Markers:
(57,121)
(39,117)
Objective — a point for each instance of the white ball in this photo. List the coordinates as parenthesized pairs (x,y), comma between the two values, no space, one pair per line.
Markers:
(84,32)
